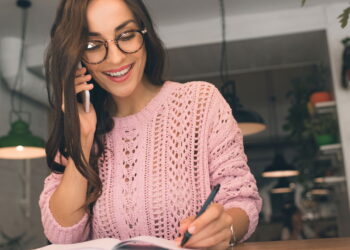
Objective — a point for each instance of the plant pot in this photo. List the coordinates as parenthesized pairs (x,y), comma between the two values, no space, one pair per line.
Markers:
(325,139)
(320,96)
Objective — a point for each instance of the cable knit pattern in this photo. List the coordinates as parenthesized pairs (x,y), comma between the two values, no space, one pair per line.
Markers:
(159,165)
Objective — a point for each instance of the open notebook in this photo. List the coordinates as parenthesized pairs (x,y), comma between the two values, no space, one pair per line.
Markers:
(140,243)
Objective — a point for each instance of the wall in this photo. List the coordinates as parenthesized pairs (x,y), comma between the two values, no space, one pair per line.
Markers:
(334,36)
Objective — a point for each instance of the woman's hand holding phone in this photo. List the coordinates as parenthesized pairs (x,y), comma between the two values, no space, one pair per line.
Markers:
(87,119)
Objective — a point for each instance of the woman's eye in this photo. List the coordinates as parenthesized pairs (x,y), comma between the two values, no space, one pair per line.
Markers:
(127,36)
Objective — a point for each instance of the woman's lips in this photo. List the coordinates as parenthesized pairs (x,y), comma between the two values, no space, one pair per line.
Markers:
(120,69)
(120,78)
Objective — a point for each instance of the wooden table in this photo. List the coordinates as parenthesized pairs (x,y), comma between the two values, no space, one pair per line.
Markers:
(324,244)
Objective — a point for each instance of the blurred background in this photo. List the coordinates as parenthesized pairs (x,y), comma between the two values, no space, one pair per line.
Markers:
(282,68)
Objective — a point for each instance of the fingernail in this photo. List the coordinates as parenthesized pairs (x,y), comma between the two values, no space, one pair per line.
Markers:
(191,229)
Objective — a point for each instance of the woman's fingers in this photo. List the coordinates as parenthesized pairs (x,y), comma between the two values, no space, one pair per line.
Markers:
(82,79)
(80,83)
(210,228)
(213,212)
(82,87)
(80,71)
(211,233)
(214,240)
(185,223)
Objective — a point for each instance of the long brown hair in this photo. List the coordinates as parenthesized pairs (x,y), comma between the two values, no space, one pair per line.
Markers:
(68,39)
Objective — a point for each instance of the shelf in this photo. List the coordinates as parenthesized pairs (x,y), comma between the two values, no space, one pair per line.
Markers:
(325,107)
(331,148)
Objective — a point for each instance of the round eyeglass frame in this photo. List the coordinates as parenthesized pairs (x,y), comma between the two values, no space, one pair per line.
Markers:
(116,42)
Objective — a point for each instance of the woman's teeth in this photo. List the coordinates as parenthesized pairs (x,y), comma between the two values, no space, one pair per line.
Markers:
(119,73)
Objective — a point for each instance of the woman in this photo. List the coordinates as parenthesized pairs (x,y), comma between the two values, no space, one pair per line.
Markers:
(143,159)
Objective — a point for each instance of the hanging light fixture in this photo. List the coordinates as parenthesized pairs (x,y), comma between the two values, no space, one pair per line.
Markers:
(19,143)
(279,166)
(249,122)
(320,191)
(283,186)
(330,179)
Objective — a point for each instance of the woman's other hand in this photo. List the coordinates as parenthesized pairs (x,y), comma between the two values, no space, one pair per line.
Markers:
(211,230)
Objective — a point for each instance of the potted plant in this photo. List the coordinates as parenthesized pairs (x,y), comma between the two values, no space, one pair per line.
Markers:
(295,125)
(320,92)
(324,129)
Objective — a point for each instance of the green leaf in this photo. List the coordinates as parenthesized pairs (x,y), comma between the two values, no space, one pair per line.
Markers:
(344,17)
(303,2)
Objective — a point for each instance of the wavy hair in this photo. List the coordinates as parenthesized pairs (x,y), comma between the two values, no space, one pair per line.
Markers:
(68,39)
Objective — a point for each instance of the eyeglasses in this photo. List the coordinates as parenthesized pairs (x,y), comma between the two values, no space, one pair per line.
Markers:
(128,42)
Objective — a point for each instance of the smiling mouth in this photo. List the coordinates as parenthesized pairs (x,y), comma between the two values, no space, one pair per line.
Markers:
(120,73)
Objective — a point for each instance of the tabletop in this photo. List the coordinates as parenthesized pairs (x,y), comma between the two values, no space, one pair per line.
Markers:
(319,244)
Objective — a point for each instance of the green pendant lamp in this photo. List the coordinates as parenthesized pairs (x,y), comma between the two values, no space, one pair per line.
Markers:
(20,143)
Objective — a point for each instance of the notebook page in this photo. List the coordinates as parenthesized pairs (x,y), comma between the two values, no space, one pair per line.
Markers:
(159,242)
(98,244)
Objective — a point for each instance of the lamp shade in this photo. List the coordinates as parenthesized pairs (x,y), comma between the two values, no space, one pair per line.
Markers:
(20,143)
(330,179)
(283,186)
(279,168)
(249,122)
(320,191)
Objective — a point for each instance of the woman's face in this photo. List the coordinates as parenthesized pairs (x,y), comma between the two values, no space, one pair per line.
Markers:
(119,74)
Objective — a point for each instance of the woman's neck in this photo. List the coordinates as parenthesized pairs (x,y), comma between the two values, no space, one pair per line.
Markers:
(134,103)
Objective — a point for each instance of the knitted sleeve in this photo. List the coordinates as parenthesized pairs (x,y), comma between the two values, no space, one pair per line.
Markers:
(228,163)
(54,232)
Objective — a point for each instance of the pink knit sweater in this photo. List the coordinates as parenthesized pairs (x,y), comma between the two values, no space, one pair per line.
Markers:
(160,166)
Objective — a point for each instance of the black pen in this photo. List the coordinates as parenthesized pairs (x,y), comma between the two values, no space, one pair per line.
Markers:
(209,200)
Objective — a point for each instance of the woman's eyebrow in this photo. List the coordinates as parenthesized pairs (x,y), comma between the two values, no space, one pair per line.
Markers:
(119,27)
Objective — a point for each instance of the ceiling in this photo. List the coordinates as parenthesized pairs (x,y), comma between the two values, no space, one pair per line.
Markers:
(168,12)
(244,56)
(164,12)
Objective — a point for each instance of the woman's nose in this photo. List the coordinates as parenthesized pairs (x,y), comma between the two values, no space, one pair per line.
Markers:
(115,55)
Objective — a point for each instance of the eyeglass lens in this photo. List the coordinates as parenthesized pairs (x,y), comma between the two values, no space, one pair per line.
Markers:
(128,42)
